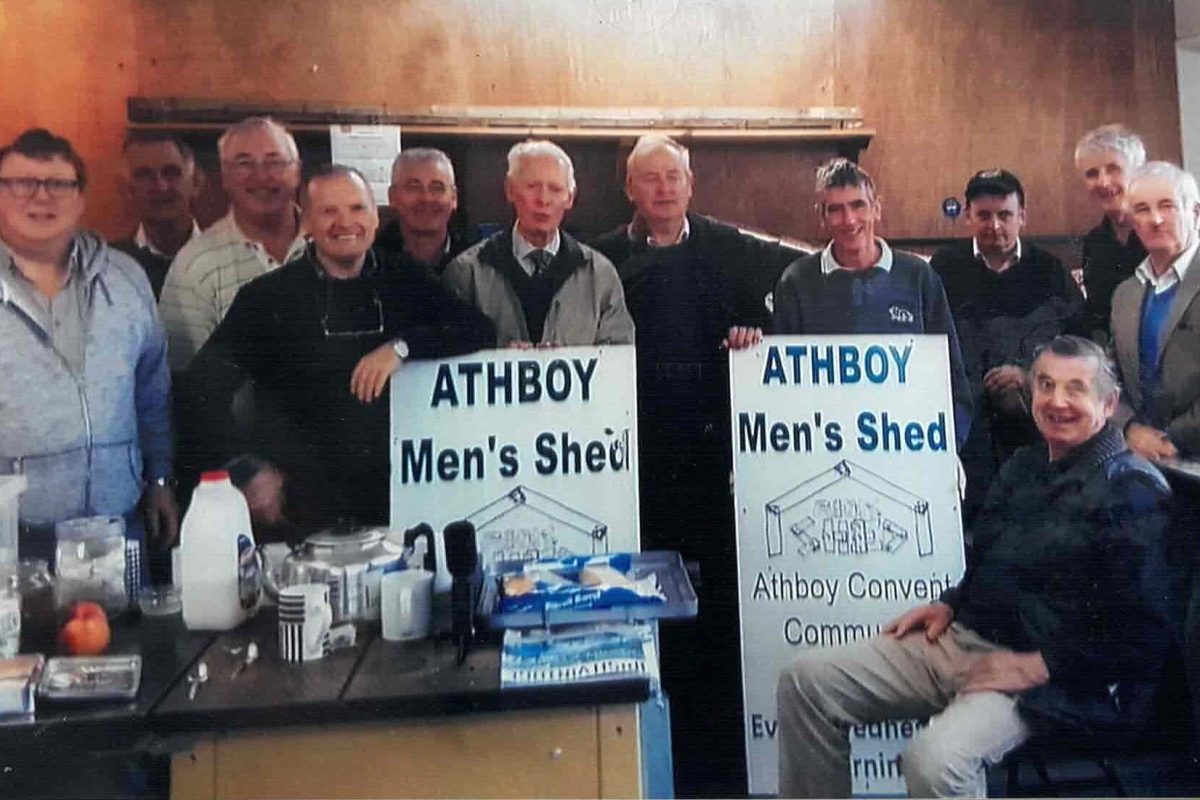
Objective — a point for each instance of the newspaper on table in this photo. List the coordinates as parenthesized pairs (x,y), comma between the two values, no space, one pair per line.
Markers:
(601,651)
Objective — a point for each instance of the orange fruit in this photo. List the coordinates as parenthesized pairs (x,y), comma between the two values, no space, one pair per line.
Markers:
(86,631)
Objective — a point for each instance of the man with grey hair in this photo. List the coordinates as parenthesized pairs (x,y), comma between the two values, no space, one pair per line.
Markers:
(694,286)
(1060,625)
(1155,316)
(537,283)
(423,197)
(260,171)
(1104,158)
(858,284)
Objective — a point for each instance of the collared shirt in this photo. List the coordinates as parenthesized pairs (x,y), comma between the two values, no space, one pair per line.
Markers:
(522,248)
(203,280)
(1171,275)
(140,239)
(62,317)
(1009,260)
(830,265)
(650,241)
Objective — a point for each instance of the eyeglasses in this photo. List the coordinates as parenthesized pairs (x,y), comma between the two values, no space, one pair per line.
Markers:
(246,167)
(362,316)
(171,173)
(26,188)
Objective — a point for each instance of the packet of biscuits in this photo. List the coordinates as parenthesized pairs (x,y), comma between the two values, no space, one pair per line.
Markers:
(583,582)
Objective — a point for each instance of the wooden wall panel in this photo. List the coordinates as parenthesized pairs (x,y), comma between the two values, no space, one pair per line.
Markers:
(951,85)
(68,66)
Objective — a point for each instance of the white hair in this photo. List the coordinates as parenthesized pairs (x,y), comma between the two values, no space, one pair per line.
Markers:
(539,148)
(1117,138)
(653,143)
(1186,191)
(422,155)
(253,124)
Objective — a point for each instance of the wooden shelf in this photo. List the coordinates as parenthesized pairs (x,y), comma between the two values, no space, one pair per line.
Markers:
(715,124)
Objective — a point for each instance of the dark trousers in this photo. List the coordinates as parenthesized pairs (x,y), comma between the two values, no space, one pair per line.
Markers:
(690,510)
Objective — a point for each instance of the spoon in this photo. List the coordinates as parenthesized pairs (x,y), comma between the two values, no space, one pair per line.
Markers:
(250,657)
(195,680)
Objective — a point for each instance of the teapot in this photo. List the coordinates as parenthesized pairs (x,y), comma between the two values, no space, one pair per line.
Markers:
(350,562)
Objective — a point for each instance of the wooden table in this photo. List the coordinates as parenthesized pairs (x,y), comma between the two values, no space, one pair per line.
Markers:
(392,719)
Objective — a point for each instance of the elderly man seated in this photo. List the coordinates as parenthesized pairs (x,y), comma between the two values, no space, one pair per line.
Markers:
(1060,621)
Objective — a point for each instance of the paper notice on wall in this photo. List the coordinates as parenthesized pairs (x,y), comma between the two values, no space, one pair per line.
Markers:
(370,149)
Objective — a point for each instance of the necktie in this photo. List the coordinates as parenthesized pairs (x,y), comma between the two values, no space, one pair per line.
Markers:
(541,260)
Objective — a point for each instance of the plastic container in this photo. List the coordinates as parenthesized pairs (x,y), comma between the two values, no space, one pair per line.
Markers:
(10,611)
(218,568)
(39,620)
(89,562)
(11,487)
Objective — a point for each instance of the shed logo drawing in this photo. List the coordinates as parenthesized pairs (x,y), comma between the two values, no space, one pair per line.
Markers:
(525,524)
(847,510)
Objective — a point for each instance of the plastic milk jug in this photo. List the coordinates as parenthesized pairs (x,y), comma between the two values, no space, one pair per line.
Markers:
(218,567)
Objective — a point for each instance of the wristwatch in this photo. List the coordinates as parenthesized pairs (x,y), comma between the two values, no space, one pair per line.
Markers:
(166,481)
(401,348)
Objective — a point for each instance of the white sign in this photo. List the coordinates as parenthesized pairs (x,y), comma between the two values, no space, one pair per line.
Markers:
(537,448)
(846,491)
(370,149)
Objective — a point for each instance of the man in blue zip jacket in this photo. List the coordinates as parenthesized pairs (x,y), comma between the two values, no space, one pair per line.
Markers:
(85,400)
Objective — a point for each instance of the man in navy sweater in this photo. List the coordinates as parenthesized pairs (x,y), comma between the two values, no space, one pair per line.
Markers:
(1007,296)
(858,284)
(694,287)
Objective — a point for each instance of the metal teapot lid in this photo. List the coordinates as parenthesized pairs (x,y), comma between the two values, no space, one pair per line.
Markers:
(336,538)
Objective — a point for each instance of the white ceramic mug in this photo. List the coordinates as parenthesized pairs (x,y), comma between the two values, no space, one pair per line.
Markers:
(405,604)
(305,617)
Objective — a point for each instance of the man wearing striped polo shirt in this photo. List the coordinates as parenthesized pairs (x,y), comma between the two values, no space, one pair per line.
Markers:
(260,171)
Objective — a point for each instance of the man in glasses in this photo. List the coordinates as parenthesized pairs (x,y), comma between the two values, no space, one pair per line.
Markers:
(423,197)
(301,334)
(85,397)
(260,171)
(161,182)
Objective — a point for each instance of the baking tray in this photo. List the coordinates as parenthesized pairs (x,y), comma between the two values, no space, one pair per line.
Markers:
(667,565)
(91,678)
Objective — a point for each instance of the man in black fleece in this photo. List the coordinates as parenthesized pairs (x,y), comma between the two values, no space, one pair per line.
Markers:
(320,338)
(1007,296)
(423,197)
(694,286)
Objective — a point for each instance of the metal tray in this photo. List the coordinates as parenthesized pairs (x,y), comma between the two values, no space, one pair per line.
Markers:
(91,678)
(667,565)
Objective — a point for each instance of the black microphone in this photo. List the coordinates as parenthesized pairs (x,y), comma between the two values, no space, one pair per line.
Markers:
(462,560)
